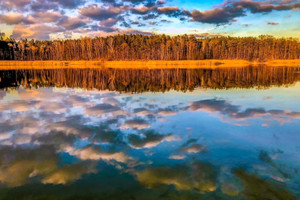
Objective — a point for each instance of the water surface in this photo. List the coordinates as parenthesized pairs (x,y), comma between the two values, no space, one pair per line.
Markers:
(224,133)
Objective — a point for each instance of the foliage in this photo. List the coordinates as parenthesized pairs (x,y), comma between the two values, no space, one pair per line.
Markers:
(155,47)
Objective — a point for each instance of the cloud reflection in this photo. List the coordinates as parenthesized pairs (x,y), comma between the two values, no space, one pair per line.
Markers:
(149,139)
(234,112)
(199,176)
(59,136)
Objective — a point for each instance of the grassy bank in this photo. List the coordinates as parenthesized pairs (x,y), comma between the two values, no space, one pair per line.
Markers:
(141,64)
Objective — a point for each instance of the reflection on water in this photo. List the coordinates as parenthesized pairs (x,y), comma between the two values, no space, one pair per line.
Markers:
(155,80)
(65,142)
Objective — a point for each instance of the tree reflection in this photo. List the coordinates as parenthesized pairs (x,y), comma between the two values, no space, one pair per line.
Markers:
(154,80)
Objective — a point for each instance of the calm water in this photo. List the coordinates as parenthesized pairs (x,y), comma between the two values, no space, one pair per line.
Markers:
(150,134)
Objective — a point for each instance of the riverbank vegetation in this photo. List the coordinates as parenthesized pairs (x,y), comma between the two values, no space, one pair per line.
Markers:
(155,47)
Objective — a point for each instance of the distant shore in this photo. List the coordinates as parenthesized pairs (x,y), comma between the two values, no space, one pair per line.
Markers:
(142,64)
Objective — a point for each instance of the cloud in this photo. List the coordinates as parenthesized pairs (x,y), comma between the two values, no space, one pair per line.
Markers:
(25,163)
(195,148)
(68,173)
(273,23)
(138,32)
(19,105)
(142,9)
(107,17)
(108,23)
(198,176)
(171,11)
(77,101)
(14,4)
(149,139)
(142,112)
(153,12)
(48,16)
(101,109)
(39,163)
(100,13)
(177,157)
(234,112)
(71,23)
(54,107)
(152,23)
(2,93)
(70,3)
(59,140)
(106,135)
(213,105)
(70,126)
(94,153)
(258,188)
(15,18)
(230,10)
(189,147)
(167,112)
(135,124)
(40,31)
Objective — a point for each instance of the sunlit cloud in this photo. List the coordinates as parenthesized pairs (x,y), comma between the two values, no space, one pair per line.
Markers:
(45,19)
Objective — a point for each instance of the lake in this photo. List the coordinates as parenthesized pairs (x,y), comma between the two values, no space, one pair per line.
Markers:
(108,133)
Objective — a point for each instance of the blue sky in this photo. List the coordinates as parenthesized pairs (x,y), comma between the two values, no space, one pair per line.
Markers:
(52,19)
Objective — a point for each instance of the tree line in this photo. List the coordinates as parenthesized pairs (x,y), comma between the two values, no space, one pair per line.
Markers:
(155,47)
(154,80)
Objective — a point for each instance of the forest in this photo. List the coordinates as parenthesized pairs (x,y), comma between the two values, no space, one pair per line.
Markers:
(154,47)
(151,80)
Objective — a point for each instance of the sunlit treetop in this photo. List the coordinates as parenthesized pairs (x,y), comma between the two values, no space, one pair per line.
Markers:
(54,19)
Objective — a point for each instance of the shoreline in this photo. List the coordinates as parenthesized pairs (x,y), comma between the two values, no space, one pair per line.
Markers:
(151,64)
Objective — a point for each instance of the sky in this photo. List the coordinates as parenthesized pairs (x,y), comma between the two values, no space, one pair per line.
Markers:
(61,19)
